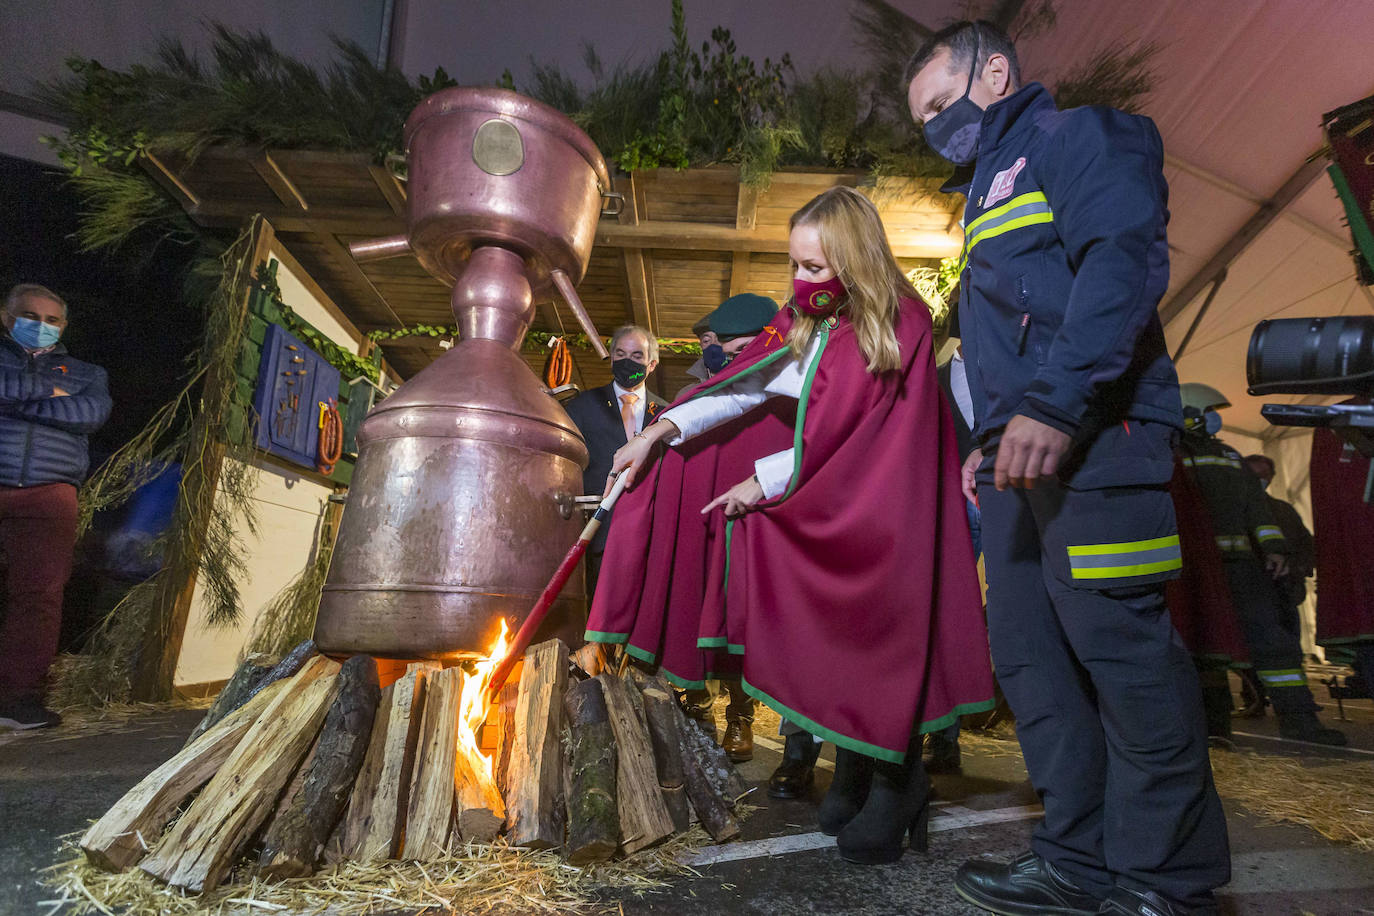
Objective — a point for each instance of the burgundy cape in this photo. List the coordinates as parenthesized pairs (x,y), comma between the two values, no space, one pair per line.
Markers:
(1343,524)
(1200,598)
(852,601)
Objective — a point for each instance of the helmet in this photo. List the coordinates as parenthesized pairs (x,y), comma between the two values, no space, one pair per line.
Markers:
(1200,397)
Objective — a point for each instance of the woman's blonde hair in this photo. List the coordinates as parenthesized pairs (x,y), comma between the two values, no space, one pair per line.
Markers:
(855,244)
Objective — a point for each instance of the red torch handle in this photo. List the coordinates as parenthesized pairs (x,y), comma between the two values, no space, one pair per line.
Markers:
(536,616)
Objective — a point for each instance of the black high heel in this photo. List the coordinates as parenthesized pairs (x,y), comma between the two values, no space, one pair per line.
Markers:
(898,805)
(848,790)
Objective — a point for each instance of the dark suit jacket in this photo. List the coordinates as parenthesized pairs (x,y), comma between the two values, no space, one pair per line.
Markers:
(962,434)
(597,415)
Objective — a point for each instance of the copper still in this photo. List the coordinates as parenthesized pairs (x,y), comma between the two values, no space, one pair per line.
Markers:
(462,501)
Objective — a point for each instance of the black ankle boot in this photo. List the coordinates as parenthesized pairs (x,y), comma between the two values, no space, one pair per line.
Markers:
(898,803)
(797,771)
(848,790)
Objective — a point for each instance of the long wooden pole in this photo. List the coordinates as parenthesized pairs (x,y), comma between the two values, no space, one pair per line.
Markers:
(551,591)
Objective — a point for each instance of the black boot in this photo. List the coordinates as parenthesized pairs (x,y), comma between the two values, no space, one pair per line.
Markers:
(898,803)
(942,753)
(797,771)
(848,790)
(1297,715)
(1216,706)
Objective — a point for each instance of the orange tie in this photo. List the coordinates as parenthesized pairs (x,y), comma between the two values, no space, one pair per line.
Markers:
(627,414)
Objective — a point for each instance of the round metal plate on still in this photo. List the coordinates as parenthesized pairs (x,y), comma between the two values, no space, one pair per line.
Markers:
(497,148)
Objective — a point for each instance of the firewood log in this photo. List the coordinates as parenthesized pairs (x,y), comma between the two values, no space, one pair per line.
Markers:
(292,846)
(234,694)
(663,714)
(429,816)
(505,716)
(593,821)
(644,818)
(199,850)
(121,837)
(534,808)
(377,811)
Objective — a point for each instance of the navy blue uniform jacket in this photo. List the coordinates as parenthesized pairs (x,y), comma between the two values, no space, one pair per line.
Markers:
(1065,261)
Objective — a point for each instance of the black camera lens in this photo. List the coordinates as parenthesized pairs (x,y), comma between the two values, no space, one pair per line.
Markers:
(1312,356)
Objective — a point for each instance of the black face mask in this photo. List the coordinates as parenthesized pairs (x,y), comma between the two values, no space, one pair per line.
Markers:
(628,373)
(714,357)
(953,133)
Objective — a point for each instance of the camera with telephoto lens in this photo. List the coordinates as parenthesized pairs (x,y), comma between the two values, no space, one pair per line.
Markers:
(1316,356)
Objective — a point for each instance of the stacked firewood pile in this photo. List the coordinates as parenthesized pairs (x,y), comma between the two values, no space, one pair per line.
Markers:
(311,763)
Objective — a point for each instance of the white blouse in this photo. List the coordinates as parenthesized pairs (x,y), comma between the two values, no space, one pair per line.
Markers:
(784,378)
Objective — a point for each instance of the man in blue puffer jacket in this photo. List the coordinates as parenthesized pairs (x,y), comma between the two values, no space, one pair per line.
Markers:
(49,404)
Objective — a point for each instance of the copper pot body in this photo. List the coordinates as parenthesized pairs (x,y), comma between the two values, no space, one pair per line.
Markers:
(461,505)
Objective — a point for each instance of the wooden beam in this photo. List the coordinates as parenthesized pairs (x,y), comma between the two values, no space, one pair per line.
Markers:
(279,251)
(637,283)
(391,188)
(366,221)
(278,181)
(340,255)
(746,220)
(1269,211)
(171,183)
(690,236)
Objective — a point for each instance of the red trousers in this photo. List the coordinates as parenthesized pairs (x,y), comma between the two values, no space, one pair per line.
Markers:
(38,535)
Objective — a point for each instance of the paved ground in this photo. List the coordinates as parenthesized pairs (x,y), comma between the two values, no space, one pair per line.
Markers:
(52,783)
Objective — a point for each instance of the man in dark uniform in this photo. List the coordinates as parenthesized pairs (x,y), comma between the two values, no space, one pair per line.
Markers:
(1077,407)
(1302,557)
(608,416)
(1255,554)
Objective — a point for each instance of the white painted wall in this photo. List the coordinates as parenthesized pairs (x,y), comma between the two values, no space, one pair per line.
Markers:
(288,509)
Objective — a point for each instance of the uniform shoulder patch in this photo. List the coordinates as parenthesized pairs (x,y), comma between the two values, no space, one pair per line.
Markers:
(1003,182)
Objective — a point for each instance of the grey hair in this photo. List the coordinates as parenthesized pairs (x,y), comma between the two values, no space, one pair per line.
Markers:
(21,290)
(636,329)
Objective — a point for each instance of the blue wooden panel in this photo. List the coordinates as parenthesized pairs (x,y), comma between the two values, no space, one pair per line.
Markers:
(293,381)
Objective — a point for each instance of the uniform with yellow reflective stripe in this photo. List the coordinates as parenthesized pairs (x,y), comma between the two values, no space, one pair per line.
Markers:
(1064,264)
(1246,532)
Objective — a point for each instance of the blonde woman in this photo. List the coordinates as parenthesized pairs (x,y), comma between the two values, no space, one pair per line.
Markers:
(804,523)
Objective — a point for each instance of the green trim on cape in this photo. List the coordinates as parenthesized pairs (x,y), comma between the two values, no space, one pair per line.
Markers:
(599,636)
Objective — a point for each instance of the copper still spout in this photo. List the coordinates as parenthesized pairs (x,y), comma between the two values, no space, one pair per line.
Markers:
(461,504)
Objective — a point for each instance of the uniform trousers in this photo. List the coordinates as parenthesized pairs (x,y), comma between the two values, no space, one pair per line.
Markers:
(1274,649)
(1107,703)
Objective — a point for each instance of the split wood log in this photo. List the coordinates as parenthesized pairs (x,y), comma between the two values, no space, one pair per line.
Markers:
(121,837)
(712,808)
(199,850)
(478,811)
(644,818)
(591,658)
(234,694)
(715,763)
(289,665)
(376,817)
(430,813)
(593,822)
(663,714)
(534,808)
(294,842)
(505,716)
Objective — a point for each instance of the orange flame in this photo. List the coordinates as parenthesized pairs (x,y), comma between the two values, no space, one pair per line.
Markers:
(473,705)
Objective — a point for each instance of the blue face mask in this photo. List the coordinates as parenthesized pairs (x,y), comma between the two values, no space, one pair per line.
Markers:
(714,357)
(1211,421)
(35,335)
(953,133)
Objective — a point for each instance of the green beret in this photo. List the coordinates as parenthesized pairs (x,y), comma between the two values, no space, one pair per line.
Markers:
(742,316)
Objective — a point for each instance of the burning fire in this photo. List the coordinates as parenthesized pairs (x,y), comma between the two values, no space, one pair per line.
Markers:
(473,704)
